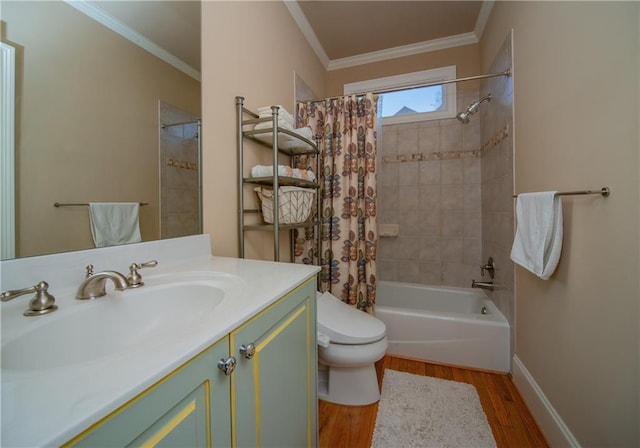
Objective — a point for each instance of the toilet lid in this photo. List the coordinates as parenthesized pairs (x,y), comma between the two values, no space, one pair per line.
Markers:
(345,324)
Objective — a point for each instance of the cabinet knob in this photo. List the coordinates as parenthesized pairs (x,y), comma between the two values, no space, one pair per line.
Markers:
(248,350)
(227,365)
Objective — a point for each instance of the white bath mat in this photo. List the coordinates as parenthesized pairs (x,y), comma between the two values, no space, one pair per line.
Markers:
(421,411)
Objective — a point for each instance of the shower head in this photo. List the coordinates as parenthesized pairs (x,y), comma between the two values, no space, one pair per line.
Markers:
(463,116)
(472,109)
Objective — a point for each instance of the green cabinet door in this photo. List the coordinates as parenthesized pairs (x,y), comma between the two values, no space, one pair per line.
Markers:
(273,388)
(188,408)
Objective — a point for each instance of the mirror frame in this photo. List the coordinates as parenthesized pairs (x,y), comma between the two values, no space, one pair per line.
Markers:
(7,152)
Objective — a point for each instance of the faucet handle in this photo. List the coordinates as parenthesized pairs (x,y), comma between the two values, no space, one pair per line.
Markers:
(134,278)
(41,303)
(490,267)
(89,271)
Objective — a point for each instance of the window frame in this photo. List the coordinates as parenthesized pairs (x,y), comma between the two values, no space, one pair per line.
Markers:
(412,80)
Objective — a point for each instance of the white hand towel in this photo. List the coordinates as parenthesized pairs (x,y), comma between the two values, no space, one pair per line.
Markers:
(114,223)
(538,241)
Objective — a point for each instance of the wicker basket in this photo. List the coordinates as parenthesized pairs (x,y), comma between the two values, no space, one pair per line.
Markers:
(295,204)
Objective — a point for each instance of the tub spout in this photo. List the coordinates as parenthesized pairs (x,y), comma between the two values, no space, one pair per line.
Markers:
(482,285)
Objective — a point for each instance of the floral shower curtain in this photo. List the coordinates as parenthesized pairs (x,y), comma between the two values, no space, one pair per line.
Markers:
(347,130)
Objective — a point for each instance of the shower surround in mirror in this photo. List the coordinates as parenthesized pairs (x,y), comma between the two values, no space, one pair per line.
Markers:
(179,172)
(86,123)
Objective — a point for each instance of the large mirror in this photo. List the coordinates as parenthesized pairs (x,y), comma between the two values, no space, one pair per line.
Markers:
(99,118)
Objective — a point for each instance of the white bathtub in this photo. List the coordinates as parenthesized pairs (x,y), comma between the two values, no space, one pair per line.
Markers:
(444,325)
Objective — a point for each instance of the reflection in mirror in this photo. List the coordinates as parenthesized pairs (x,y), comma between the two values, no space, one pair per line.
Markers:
(90,110)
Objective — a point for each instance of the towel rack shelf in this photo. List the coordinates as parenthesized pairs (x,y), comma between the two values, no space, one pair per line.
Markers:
(60,204)
(293,144)
(604,191)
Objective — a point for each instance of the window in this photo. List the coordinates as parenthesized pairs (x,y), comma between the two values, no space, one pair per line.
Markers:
(407,103)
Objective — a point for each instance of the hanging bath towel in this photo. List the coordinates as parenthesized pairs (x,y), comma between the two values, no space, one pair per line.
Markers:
(114,223)
(538,241)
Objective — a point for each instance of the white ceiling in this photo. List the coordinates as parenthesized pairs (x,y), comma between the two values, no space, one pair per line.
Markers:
(341,32)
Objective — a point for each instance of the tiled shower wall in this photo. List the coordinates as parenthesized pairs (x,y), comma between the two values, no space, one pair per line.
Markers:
(430,186)
(179,198)
(449,188)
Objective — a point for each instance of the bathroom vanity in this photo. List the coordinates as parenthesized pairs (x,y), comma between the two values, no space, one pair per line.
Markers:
(210,352)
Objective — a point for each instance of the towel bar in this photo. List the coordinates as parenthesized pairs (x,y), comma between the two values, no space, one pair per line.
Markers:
(604,191)
(60,204)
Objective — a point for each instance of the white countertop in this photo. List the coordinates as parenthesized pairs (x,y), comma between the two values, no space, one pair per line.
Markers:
(49,407)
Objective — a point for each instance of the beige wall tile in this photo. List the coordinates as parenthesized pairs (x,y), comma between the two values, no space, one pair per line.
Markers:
(429,172)
(407,142)
(451,172)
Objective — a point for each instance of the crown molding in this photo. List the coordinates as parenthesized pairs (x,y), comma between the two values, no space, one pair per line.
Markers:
(483,17)
(389,53)
(99,15)
(307,30)
(404,50)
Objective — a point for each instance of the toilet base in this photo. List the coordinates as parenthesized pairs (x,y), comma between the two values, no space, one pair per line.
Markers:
(352,386)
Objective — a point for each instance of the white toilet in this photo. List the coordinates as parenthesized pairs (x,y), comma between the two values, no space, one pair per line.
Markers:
(349,343)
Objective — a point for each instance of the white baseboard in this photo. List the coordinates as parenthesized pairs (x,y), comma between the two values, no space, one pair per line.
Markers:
(550,423)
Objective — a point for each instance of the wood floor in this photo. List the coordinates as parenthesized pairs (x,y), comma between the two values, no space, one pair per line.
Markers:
(508,416)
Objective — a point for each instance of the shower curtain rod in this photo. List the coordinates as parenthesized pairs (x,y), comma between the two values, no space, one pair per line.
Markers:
(507,72)
(60,204)
(168,125)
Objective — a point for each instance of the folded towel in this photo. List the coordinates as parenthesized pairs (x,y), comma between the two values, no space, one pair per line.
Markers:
(305,132)
(281,123)
(267,170)
(114,223)
(285,141)
(266,111)
(283,170)
(538,241)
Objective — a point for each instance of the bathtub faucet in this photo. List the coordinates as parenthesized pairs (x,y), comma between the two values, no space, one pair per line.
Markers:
(482,285)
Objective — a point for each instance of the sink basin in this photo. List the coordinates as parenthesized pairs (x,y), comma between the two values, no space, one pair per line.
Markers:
(117,322)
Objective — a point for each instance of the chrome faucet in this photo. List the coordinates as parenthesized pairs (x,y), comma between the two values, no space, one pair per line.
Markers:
(93,285)
(41,303)
(482,285)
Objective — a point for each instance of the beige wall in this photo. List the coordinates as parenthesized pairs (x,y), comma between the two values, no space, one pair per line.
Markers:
(576,95)
(251,49)
(68,152)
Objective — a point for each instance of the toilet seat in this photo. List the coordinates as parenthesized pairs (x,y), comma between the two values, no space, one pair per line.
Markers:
(344,324)
(348,355)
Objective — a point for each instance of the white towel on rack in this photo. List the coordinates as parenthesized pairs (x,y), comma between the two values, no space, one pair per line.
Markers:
(283,114)
(283,170)
(538,241)
(284,124)
(285,141)
(305,132)
(114,223)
